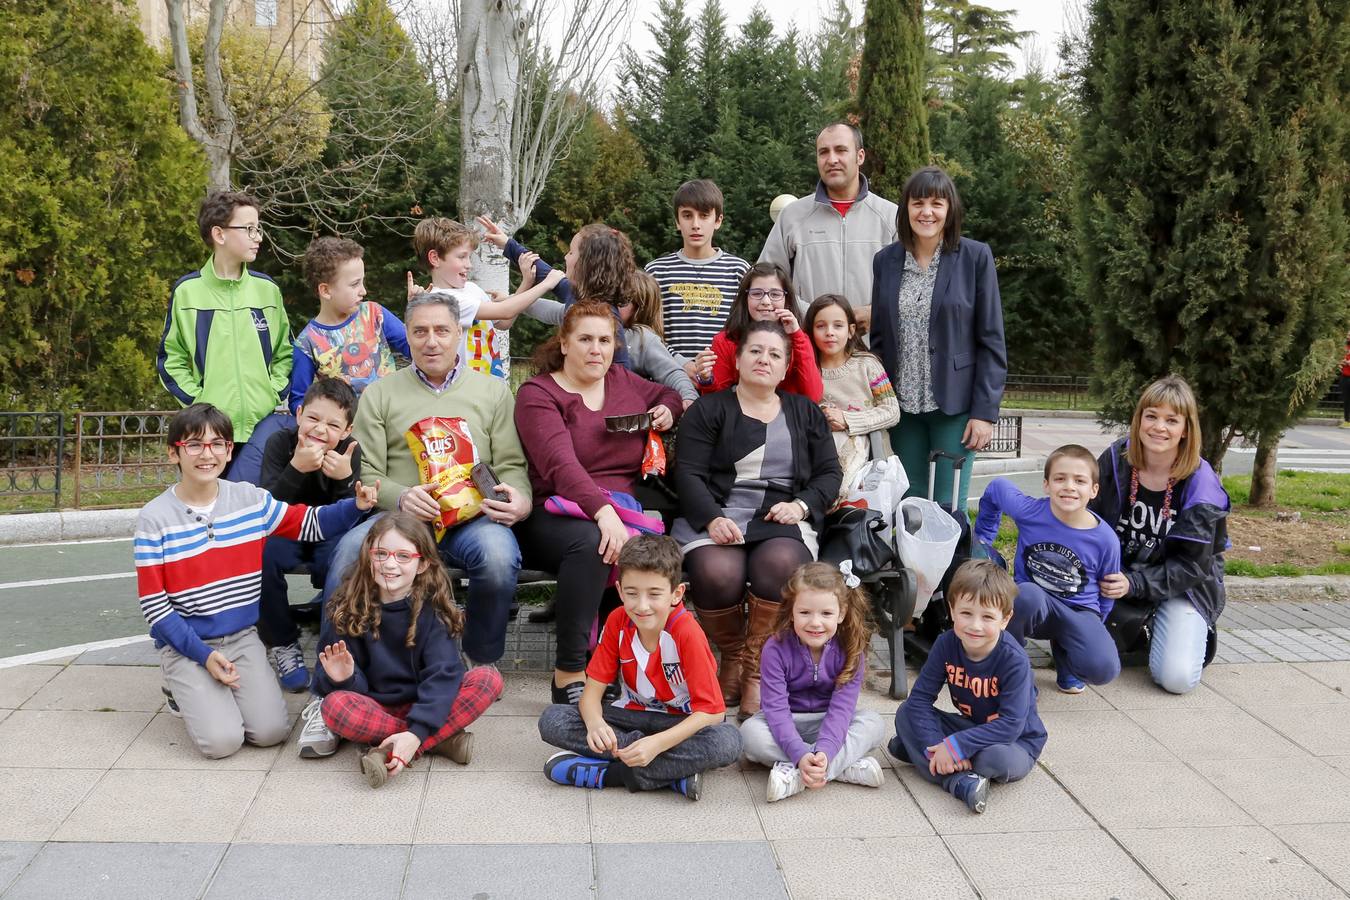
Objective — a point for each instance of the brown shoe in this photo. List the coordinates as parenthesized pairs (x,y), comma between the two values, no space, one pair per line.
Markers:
(372,766)
(458,747)
(725,628)
(763,613)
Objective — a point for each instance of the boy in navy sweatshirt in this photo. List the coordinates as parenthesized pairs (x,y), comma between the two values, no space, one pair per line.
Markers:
(997,734)
(1063,551)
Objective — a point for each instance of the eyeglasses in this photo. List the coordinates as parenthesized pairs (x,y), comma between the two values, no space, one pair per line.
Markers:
(774,294)
(402,557)
(255,232)
(195,448)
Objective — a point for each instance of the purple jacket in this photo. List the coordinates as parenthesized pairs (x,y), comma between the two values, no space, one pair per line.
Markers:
(791,683)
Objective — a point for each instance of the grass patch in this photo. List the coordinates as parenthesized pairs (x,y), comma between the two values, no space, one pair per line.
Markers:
(1250,569)
(1304,491)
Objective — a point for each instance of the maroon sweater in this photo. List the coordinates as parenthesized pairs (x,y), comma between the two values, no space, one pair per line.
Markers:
(568,450)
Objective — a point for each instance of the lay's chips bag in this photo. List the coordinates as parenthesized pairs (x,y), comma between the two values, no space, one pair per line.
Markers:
(445,455)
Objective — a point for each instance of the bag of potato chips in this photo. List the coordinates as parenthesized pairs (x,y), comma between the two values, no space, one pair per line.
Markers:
(445,455)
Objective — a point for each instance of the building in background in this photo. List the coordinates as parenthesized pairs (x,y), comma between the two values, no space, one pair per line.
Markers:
(297,28)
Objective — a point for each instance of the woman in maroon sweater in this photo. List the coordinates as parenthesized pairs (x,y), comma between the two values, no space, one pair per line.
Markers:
(560,415)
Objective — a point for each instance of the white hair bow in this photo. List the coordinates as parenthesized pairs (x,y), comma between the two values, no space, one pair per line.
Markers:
(846,569)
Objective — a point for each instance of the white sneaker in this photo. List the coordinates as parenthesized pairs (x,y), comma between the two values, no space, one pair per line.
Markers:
(316,739)
(785,779)
(866,771)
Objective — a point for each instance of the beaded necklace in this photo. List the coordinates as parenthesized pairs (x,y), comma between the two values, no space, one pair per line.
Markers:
(1167,494)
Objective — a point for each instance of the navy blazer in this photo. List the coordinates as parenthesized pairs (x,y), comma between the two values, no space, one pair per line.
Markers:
(965,327)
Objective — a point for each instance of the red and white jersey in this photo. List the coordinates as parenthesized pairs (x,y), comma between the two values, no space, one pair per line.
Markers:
(679,677)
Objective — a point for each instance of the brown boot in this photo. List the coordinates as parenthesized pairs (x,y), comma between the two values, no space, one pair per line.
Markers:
(726,629)
(760,625)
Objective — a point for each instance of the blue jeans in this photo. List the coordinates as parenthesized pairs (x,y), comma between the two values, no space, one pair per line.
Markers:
(1077,634)
(487,551)
(282,555)
(246,465)
(1176,654)
(998,762)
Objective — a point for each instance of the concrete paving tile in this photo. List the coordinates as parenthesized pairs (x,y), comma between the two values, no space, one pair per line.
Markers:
(308,872)
(288,758)
(18,683)
(502,744)
(1269,684)
(711,870)
(1033,863)
(117,872)
(1335,675)
(135,805)
(316,808)
(69,739)
(1227,733)
(4,713)
(500,871)
(1323,729)
(1277,792)
(1083,735)
(898,868)
(164,744)
(14,856)
(501,808)
(1323,846)
(121,688)
(524,694)
(141,653)
(1035,803)
(1140,887)
(1341,763)
(839,810)
(1229,862)
(725,812)
(1049,698)
(36,801)
(1159,794)
(1134,689)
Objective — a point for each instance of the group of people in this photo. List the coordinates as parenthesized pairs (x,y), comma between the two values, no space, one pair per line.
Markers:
(864,326)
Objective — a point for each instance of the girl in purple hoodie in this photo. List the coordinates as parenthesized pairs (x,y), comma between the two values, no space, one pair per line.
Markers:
(809,729)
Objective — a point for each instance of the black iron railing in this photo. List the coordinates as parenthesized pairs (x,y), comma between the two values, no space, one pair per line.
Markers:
(33,446)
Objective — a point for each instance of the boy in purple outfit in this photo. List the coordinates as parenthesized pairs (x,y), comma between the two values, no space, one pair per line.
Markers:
(997,734)
(1063,551)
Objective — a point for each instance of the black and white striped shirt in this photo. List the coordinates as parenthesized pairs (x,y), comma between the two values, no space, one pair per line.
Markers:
(696,297)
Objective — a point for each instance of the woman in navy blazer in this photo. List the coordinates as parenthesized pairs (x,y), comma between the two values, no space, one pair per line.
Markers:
(937,325)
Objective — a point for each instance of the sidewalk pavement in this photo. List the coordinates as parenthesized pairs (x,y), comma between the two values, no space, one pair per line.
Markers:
(1239,789)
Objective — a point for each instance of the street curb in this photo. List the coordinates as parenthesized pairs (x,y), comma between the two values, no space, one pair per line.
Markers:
(1302,589)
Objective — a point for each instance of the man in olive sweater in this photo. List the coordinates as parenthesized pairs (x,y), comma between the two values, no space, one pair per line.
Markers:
(438,383)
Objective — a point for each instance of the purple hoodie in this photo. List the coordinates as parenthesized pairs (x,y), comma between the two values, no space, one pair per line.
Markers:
(790,682)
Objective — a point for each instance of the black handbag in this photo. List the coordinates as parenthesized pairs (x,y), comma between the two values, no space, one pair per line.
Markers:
(1130,625)
(858,535)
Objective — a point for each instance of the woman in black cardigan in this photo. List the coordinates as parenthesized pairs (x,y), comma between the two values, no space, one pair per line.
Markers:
(756,469)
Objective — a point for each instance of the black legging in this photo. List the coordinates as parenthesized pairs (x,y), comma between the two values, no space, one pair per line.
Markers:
(717,574)
(569,547)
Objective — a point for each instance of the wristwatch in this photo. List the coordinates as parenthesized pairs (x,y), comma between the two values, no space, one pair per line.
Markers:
(806,510)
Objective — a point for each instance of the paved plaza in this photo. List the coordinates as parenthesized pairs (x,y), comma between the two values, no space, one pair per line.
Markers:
(1240,789)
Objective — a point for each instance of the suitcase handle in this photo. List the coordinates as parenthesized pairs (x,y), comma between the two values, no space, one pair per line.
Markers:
(958,462)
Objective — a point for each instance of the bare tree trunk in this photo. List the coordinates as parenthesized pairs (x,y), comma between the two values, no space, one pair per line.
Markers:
(1262,491)
(216,143)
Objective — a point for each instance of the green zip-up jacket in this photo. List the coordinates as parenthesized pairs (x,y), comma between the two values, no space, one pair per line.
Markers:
(227,343)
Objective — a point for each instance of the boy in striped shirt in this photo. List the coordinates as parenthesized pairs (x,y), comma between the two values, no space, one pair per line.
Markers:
(668,724)
(198,549)
(698,281)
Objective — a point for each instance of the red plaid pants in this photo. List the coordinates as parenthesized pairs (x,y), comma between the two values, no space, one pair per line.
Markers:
(357,717)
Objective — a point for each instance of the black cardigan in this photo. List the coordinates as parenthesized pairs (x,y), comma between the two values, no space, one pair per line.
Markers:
(705,464)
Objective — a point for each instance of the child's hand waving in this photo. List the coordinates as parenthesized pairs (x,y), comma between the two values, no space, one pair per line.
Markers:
(367,497)
(337,661)
(222,669)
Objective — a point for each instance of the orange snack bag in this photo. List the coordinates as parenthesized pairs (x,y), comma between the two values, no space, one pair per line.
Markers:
(445,455)
(654,456)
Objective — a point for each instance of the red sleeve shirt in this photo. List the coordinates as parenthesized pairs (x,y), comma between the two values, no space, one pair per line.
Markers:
(678,678)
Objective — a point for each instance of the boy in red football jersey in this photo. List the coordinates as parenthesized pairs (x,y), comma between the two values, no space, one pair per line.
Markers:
(668,724)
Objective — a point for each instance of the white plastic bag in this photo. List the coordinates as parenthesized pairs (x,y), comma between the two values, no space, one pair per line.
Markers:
(928,552)
(879,485)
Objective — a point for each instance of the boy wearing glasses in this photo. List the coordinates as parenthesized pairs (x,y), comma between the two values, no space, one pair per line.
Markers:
(226,338)
(198,549)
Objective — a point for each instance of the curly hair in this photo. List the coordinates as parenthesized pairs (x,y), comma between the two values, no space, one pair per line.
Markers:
(354,609)
(548,357)
(644,292)
(604,262)
(217,210)
(324,255)
(855,611)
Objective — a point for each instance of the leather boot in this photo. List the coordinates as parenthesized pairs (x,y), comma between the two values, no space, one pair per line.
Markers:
(759,626)
(726,629)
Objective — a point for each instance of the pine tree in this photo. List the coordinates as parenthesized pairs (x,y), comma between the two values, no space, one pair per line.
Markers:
(893,116)
(1213,231)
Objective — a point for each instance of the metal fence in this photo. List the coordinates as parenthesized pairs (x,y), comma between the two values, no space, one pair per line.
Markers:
(1059,391)
(119,452)
(33,446)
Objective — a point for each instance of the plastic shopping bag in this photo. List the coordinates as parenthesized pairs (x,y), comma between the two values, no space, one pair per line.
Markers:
(879,485)
(927,552)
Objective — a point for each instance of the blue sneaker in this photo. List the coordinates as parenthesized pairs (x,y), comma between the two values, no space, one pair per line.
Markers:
(691,787)
(970,789)
(576,770)
(1069,683)
(289,661)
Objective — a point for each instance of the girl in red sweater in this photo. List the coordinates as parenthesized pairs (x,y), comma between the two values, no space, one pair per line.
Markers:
(765,294)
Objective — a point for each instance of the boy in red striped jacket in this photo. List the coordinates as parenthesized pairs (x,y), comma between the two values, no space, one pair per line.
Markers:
(198,549)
